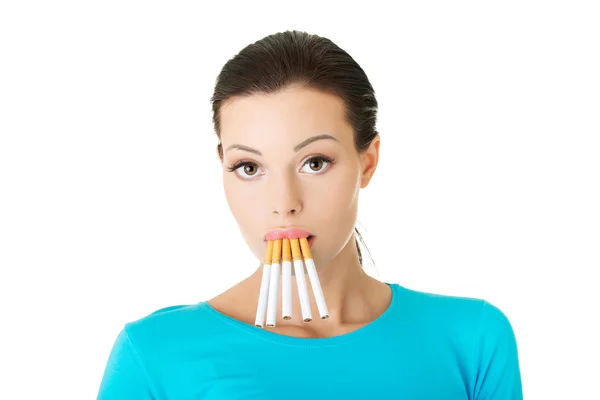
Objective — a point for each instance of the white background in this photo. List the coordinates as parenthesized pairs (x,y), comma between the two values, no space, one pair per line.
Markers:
(111,204)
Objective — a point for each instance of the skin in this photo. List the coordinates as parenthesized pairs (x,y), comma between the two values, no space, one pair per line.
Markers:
(286,187)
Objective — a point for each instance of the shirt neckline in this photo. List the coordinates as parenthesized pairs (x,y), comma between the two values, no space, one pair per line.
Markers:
(272,337)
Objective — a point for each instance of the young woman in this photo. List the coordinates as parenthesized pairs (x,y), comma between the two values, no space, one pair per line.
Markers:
(295,116)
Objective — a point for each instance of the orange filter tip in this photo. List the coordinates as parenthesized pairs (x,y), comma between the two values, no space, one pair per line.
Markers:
(269,253)
(287,250)
(305,248)
(296,254)
(276,252)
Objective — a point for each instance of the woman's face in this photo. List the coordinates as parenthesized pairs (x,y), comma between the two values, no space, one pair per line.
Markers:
(295,165)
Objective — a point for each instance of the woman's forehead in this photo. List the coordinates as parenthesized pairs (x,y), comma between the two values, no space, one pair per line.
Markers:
(293,113)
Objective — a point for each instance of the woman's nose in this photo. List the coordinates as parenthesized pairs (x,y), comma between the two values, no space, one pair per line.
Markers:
(286,197)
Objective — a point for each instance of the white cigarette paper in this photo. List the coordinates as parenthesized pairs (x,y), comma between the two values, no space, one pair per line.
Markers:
(301,281)
(314,279)
(286,280)
(261,309)
(274,284)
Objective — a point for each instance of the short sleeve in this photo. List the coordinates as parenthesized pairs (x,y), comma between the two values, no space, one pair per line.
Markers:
(124,375)
(498,372)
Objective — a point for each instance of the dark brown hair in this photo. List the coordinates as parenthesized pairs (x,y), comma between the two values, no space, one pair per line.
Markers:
(292,57)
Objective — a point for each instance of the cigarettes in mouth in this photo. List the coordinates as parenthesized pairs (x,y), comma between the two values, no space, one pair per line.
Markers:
(314,278)
(286,280)
(280,256)
(301,281)
(261,310)
(274,284)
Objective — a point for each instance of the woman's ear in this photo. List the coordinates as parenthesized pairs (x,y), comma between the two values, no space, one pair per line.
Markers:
(369,160)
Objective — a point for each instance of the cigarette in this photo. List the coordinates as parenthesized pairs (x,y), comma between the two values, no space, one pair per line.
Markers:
(274,284)
(261,309)
(314,278)
(286,280)
(301,281)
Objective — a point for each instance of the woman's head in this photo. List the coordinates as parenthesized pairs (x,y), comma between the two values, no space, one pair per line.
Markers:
(295,116)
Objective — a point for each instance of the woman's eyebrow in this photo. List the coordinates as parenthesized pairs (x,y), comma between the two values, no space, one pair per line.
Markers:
(296,149)
(314,139)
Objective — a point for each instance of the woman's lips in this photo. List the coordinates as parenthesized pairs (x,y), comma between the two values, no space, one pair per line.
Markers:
(290,233)
(311,240)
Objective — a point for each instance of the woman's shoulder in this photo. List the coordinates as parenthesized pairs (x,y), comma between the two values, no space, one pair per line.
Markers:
(171,313)
(442,303)
(471,314)
(153,347)
(171,324)
(479,332)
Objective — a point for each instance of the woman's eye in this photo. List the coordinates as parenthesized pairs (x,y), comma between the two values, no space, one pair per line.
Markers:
(247,170)
(315,165)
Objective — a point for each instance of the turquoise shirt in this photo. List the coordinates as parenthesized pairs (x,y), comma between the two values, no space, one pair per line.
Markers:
(424,346)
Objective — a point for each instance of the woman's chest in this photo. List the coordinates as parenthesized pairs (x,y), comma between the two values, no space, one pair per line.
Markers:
(372,372)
